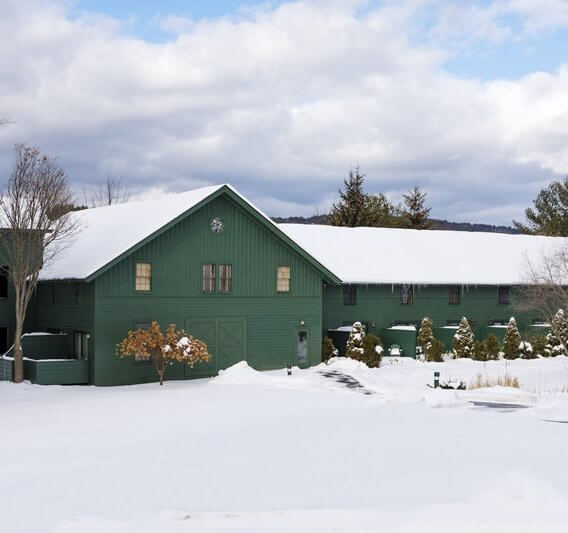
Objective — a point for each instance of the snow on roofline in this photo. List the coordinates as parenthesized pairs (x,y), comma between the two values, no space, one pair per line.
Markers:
(108,232)
(422,257)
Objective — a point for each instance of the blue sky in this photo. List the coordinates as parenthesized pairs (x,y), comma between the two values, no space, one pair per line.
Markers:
(465,99)
(510,58)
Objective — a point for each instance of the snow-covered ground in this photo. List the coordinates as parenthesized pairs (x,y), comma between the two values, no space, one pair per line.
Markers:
(250,451)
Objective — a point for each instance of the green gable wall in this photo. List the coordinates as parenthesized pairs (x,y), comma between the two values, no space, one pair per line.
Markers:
(253,322)
(381,304)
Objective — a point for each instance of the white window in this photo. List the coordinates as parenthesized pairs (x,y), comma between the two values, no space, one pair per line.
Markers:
(143,277)
(283,279)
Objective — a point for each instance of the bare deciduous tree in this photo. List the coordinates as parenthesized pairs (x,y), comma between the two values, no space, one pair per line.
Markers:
(546,284)
(111,191)
(33,230)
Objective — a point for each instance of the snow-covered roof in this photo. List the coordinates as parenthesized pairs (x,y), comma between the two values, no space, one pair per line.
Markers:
(107,232)
(110,231)
(427,257)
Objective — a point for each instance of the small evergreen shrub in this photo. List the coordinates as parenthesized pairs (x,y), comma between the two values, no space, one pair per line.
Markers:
(557,338)
(463,340)
(512,341)
(328,350)
(354,347)
(526,349)
(425,334)
(492,347)
(480,351)
(538,343)
(434,350)
(372,351)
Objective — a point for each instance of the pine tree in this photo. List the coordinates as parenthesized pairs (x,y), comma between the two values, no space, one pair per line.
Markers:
(492,346)
(357,208)
(415,213)
(557,338)
(425,333)
(354,347)
(463,340)
(352,209)
(512,341)
(548,216)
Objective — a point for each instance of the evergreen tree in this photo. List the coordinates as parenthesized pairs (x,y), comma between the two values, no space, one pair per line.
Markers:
(492,346)
(357,208)
(328,350)
(352,209)
(425,333)
(526,349)
(354,347)
(415,213)
(538,343)
(463,340)
(512,341)
(434,350)
(549,214)
(372,351)
(480,351)
(382,213)
(557,338)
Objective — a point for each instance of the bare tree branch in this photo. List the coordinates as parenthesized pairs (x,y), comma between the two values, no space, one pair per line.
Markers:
(111,191)
(36,228)
(546,285)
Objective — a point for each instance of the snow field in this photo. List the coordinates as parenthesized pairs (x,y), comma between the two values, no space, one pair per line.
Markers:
(251,451)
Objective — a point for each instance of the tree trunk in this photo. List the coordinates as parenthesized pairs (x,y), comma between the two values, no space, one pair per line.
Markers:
(18,352)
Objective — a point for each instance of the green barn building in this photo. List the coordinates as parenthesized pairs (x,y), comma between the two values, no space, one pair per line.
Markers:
(210,262)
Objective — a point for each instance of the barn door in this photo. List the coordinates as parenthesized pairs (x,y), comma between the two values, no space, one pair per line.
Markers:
(225,339)
(204,330)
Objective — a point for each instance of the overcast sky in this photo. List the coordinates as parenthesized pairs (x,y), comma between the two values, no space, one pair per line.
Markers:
(467,99)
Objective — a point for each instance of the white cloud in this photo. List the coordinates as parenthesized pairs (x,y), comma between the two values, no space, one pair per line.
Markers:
(282,102)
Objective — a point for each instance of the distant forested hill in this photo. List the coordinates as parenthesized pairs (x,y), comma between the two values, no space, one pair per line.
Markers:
(436,224)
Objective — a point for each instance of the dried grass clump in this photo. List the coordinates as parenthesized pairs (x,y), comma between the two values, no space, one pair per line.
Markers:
(501,381)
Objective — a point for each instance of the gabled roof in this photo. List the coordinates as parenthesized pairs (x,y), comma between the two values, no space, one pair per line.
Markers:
(426,257)
(113,232)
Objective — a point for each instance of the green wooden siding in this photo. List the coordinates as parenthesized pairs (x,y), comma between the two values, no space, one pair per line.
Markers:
(269,320)
(381,304)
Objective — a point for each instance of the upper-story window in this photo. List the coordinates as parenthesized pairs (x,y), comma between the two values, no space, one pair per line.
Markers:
(454,295)
(504,296)
(349,294)
(78,295)
(4,282)
(283,279)
(225,278)
(406,294)
(208,283)
(53,294)
(143,277)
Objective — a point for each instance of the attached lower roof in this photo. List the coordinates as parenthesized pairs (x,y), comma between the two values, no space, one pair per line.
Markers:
(426,257)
